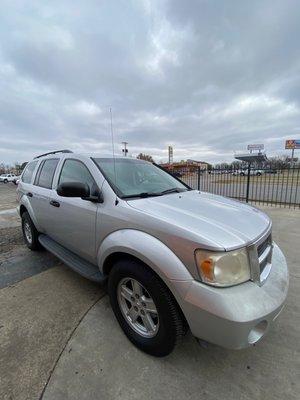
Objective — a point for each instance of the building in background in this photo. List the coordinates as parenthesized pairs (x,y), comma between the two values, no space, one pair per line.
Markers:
(186,166)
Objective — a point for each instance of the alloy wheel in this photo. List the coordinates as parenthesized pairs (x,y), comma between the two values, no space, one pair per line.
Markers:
(138,307)
(27,232)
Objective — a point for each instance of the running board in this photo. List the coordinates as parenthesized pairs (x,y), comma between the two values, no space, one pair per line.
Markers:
(75,262)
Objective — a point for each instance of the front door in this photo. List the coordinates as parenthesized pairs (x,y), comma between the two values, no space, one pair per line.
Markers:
(72,221)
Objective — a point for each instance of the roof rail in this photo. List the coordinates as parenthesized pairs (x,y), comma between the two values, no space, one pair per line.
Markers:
(53,152)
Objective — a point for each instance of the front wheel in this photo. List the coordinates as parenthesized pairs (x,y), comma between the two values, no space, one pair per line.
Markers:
(145,308)
(5,181)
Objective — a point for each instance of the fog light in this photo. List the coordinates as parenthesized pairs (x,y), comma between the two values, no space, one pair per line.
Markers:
(257,332)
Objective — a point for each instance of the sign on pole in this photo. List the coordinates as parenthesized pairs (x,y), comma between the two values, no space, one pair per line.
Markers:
(170,151)
(255,147)
(292,144)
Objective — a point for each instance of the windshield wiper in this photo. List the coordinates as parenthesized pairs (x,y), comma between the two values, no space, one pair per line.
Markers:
(142,195)
(173,190)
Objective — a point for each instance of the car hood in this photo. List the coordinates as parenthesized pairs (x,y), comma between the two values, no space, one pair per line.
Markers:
(213,220)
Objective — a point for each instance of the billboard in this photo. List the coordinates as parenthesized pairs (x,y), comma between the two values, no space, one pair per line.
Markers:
(255,147)
(292,144)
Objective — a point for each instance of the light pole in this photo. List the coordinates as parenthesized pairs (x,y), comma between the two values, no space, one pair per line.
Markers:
(125,150)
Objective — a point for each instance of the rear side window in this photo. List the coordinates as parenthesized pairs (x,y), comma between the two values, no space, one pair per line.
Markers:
(28,172)
(76,171)
(46,172)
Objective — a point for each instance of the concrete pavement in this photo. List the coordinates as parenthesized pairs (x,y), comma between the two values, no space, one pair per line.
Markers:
(37,317)
(8,196)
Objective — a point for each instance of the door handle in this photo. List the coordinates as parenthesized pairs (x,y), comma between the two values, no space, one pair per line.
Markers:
(29,194)
(54,203)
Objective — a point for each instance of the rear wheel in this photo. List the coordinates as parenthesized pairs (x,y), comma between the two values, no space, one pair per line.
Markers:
(5,181)
(145,308)
(30,233)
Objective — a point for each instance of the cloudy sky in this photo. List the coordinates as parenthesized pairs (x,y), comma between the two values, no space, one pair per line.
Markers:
(205,76)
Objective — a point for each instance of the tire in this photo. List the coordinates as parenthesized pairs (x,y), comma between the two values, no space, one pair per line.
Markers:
(242,174)
(168,320)
(5,181)
(258,174)
(30,233)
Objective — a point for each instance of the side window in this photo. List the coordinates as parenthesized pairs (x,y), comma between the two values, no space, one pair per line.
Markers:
(76,171)
(46,172)
(28,172)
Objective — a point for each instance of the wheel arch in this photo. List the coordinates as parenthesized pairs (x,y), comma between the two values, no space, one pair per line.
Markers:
(25,206)
(144,248)
(114,257)
(22,209)
(149,251)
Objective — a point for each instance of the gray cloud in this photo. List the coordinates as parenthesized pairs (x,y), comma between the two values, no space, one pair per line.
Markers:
(208,77)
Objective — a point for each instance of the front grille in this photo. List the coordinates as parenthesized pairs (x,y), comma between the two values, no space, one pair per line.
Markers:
(264,253)
(260,254)
(262,247)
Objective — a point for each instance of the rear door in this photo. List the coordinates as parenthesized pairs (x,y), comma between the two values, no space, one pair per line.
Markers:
(41,190)
(25,186)
(72,221)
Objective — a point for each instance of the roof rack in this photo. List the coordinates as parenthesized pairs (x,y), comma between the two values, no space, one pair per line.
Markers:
(53,152)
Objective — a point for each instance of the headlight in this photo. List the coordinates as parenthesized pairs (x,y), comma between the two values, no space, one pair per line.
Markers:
(224,268)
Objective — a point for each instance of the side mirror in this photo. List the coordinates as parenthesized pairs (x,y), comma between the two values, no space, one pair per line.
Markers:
(73,189)
(78,189)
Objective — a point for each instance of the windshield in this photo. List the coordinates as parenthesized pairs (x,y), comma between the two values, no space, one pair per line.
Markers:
(136,178)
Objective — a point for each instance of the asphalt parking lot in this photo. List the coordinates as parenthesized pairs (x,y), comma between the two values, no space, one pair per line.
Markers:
(59,339)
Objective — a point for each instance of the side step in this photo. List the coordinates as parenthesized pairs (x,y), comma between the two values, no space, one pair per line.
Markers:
(75,262)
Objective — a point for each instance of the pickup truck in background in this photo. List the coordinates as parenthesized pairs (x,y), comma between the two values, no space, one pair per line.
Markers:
(5,178)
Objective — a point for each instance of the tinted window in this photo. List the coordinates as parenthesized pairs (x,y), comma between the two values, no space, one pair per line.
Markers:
(46,173)
(28,172)
(76,171)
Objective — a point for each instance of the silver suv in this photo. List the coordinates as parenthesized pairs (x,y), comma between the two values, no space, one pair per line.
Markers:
(174,258)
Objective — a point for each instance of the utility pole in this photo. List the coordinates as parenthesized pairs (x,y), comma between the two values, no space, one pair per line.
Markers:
(125,150)
(292,160)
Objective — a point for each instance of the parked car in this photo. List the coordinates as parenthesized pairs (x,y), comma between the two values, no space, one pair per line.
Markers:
(270,171)
(5,178)
(244,172)
(174,258)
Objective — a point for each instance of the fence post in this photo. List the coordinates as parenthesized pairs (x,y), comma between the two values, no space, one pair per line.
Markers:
(198,178)
(248,182)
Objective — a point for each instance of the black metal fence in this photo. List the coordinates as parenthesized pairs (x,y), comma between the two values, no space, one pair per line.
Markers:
(275,187)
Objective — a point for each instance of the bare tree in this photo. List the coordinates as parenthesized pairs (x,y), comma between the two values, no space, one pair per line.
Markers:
(145,157)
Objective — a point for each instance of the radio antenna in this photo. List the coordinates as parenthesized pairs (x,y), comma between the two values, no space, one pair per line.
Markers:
(113,148)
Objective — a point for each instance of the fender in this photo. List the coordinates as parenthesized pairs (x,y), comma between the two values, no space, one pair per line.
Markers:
(148,249)
(24,201)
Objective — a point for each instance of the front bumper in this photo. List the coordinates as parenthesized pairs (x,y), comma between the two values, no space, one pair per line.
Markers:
(238,316)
